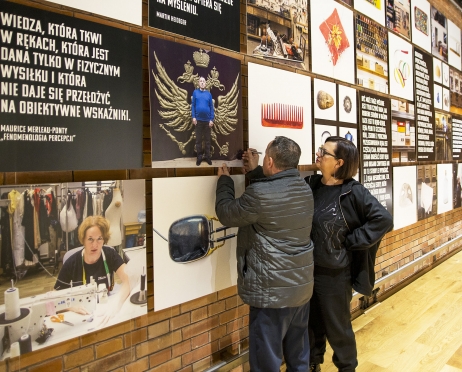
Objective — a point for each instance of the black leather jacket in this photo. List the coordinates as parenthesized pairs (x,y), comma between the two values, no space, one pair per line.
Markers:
(274,249)
(367,221)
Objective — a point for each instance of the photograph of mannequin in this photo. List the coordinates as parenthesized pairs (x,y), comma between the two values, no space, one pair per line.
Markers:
(96,260)
(113,214)
(202,113)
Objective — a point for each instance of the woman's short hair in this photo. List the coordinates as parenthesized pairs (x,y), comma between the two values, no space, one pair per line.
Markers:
(100,222)
(347,151)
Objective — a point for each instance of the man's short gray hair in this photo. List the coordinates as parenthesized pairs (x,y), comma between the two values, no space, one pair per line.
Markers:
(285,153)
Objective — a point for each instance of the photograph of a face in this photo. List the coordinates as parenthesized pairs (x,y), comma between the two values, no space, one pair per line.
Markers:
(374,9)
(183,200)
(401,67)
(439,26)
(196,110)
(325,100)
(332,41)
(404,196)
(420,24)
(398,17)
(279,106)
(77,253)
(278,31)
(445,183)
(454,54)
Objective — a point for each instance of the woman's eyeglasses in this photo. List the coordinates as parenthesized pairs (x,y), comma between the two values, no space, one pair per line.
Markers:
(323,152)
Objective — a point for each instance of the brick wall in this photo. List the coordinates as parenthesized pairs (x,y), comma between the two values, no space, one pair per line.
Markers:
(194,335)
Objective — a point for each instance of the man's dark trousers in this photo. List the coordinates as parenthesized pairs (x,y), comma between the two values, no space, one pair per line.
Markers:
(279,332)
(203,130)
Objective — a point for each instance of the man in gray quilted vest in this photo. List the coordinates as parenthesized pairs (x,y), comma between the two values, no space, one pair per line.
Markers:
(274,255)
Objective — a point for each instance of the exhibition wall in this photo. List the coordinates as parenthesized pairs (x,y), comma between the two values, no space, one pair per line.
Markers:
(399,100)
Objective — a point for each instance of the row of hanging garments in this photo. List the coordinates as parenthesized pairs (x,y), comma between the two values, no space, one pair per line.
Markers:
(76,206)
(28,220)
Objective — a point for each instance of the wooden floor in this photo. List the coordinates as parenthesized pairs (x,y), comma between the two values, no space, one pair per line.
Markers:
(417,329)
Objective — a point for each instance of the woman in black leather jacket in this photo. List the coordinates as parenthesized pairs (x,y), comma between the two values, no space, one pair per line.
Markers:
(348,225)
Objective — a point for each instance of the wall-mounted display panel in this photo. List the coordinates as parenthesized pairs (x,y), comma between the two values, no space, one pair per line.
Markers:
(445,77)
(123,10)
(42,249)
(456,182)
(398,17)
(374,9)
(347,108)
(178,198)
(321,133)
(279,106)
(437,71)
(371,54)
(215,22)
(404,196)
(445,183)
(351,134)
(278,31)
(455,87)
(443,129)
(438,96)
(173,82)
(454,50)
(403,131)
(375,147)
(332,41)
(71,93)
(421,24)
(456,137)
(401,67)
(424,105)
(446,99)
(439,34)
(426,191)
(325,106)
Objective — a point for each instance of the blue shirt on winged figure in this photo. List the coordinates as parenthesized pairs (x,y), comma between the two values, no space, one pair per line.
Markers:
(202,106)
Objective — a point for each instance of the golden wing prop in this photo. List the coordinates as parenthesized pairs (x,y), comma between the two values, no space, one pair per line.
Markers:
(174,105)
(226,116)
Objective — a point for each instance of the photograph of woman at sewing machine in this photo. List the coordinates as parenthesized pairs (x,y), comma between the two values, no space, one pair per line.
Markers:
(73,260)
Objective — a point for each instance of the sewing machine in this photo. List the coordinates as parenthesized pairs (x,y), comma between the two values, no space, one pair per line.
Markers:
(19,317)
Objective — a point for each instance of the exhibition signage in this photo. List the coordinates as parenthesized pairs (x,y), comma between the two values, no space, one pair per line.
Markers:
(375,147)
(213,21)
(71,93)
(425,117)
